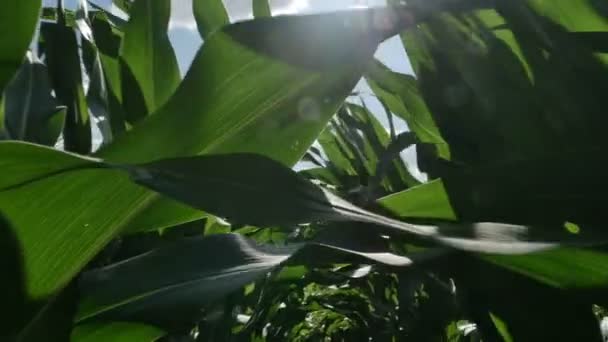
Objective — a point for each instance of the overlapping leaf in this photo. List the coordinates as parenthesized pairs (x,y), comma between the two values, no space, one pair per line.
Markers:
(233,99)
(31,112)
(183,277)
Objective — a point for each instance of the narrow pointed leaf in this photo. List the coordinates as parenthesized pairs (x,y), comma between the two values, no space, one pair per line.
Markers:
(210,16)
(183,277)
(63,62)
(401,95)
(237,186)
(148,55)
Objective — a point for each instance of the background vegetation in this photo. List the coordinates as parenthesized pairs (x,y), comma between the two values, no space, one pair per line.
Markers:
(189,223)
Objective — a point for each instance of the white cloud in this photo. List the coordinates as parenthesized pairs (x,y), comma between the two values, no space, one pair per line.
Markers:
(182,17)
(289,6)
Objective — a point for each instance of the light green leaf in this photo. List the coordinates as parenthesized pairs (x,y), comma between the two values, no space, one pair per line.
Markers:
(18,21)
(148,56)
(116,332)
(22,163)
(210,16)
(428,200)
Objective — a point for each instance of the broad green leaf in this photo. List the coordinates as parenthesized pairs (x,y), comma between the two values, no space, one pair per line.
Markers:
(428,200)
(31,111)
(237,186)
(115,331)
(18,21)
(193,272)
(261,9)
(210,16)
(63,63)
(263,119)
(148,56)
(22,163)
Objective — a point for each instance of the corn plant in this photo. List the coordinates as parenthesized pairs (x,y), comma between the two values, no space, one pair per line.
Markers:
(189,219)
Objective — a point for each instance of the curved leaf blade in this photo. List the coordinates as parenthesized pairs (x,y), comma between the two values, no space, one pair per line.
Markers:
(193,272)
(210,16)
(148,55)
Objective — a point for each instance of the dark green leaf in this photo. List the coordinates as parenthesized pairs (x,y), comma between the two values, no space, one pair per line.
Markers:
(237,186)
(63,62)
(401,95)
(115,331)
(32,114)
(185,276)
(18,21)
(148,56)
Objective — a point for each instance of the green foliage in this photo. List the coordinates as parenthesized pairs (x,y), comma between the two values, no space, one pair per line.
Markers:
(147,59)
(189,223)
(18,23)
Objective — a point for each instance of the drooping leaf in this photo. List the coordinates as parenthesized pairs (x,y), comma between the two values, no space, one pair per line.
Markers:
(183,277)
(31,112)
(115,331)
(567,268)
(148,57)
(63,62)
(221,186)
(210,16)
(17,24)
